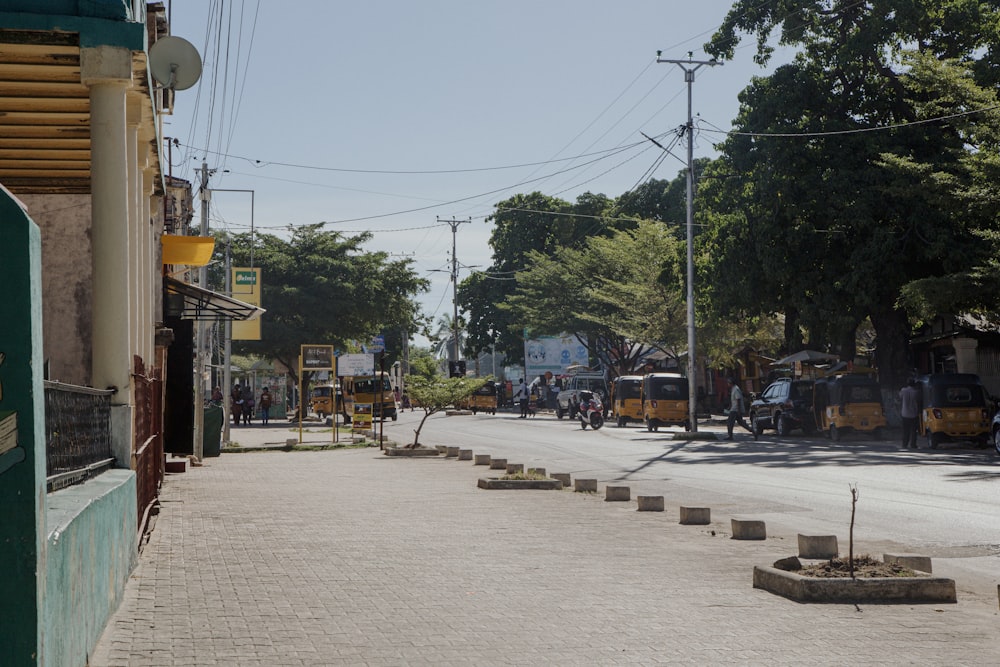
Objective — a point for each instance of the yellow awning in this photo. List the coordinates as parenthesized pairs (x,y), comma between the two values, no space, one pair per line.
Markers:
(188,250)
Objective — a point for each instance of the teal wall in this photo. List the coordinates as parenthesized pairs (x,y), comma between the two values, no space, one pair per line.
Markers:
(98,22)
(92,549)
(22,439)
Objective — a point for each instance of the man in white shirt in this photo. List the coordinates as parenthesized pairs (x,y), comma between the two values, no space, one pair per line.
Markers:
(521,396)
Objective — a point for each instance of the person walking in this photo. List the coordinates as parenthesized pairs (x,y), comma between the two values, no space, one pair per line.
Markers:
(521,396)
(265,405)
(736,410)
(909,410)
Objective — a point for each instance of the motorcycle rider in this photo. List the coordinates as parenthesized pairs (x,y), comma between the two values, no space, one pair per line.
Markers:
(588,403)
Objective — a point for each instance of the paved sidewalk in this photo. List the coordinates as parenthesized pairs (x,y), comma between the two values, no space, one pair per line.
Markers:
(349,557)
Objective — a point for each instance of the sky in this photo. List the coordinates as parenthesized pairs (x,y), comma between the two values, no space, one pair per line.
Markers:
(391,117)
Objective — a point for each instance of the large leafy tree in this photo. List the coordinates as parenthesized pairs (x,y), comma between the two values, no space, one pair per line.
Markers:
(321,287)
(824,227)
(620,294)
(523,224)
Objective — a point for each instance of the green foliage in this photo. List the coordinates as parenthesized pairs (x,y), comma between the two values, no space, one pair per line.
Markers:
(423,363)
(321,287)
(831,229)
(433,394)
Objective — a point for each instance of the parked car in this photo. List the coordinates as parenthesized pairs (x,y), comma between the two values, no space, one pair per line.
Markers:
(568,399)
(785,405)
(995,431)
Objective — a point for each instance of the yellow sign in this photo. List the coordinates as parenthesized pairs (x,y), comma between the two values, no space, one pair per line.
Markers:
(362,420)
(246,287)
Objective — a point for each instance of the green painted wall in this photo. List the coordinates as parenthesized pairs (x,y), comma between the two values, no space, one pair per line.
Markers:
(102,24)
(91,552)
(22,439)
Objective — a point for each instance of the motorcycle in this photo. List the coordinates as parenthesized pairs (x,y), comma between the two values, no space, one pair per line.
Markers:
(591,412)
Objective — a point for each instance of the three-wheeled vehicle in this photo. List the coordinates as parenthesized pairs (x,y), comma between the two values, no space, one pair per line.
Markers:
(849,402)
(484,399)
(665,401)
(626,399)
(954,406)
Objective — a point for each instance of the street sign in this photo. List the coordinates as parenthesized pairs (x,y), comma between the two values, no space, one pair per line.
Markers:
(377,344)
(317,357)
(355,364)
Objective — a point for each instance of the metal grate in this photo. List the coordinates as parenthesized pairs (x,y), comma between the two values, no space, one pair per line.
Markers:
(77,432)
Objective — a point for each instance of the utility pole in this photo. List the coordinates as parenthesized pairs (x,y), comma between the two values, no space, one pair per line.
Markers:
(454,277)
(199,356)
(690,67)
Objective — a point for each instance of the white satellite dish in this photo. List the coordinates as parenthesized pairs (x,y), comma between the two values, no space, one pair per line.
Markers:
(174,63)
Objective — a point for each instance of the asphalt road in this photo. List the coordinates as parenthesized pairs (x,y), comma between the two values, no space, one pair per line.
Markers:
(944,503)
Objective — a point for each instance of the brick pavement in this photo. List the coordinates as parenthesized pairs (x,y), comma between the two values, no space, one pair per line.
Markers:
(348,557)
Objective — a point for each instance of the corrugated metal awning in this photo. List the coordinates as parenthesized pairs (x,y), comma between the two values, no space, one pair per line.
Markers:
(190,302)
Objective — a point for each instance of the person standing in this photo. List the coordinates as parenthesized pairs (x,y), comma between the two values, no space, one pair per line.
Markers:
(521,396)
(909,410)
(736,410)
(265,405)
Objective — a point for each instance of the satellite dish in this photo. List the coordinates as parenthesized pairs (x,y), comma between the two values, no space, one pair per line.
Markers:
(174,63)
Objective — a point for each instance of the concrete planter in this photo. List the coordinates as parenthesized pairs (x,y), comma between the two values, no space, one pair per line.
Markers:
(882,590)
(404,451)
(509,484)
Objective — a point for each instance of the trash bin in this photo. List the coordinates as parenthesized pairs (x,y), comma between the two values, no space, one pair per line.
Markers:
(211,437)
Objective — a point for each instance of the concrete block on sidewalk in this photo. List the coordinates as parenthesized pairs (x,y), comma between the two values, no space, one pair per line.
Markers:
(585,485)
(696,516)
(482,460)
(748,529)
(650,503)
(498,464)
(537,471)
(451,452)
(818,546)
(465,455)
(515,468)
(617,493)
(563,477)
(917,562)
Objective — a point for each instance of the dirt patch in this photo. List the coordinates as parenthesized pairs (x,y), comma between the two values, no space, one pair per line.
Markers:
(865,566)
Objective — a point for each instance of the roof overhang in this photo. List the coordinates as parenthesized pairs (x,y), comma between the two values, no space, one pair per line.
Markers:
(190,302)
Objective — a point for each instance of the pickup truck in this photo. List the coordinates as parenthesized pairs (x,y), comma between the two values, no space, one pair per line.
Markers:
(569,398)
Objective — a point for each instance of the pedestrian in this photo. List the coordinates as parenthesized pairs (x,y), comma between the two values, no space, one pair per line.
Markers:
(521,396)
(736,409)
(405,401)
(248,405)
(397,396)
(217,396)
(909,410)
(265,405)
(236,404)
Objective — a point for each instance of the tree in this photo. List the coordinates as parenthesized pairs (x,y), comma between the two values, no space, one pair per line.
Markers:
(434,394)
(322,287)
(804,225)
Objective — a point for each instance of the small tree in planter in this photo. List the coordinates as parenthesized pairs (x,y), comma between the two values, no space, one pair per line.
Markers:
(437,393)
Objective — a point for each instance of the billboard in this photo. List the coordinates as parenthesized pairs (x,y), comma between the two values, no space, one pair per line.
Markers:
(553,354)
(246,288)
(355,364)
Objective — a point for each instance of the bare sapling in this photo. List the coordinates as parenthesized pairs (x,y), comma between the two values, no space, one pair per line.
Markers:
(850,541)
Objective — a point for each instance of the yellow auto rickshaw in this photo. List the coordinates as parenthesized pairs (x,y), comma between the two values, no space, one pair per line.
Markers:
(484,399)
(954,407)
(848,402)
(665,401)
(626,399)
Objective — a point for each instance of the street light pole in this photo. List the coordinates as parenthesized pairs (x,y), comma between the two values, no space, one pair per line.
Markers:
(690,67)
(454,278)
(227,350)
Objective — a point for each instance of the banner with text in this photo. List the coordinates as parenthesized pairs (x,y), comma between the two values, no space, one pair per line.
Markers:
(246,288)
